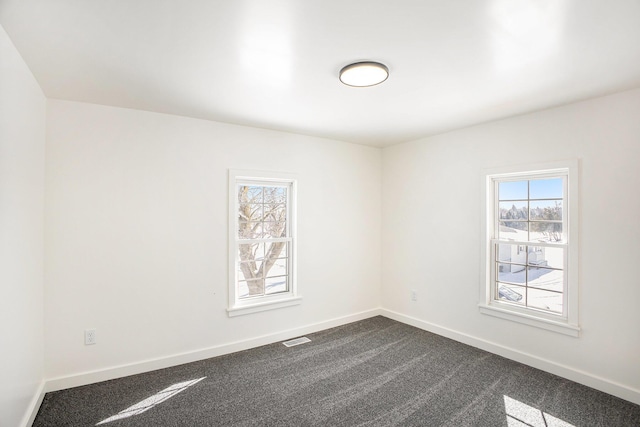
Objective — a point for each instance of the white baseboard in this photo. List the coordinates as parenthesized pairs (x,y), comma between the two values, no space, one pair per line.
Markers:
(602,384)
(91,377)
(34,406)
(564,371)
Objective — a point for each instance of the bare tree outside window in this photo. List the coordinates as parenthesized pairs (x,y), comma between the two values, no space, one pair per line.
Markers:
(551,228)
(262,239)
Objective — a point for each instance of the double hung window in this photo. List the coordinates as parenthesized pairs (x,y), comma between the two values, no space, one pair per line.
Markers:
(530,272)
(261,242)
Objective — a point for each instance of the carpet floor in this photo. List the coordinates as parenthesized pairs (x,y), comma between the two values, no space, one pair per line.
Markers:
(376,372)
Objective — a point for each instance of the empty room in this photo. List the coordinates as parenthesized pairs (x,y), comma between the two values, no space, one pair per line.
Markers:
(319,213)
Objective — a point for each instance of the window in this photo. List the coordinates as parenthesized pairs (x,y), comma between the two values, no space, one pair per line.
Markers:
(530,249)
(261,242)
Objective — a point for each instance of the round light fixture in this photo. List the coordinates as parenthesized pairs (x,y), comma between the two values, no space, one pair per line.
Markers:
(363,74)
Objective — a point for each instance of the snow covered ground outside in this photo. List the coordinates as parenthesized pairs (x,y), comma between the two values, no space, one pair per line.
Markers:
(540,286)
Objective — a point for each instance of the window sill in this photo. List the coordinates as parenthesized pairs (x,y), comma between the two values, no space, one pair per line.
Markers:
(531,320)
(240,310)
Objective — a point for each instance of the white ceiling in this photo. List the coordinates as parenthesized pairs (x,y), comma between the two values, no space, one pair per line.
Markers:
(274,64)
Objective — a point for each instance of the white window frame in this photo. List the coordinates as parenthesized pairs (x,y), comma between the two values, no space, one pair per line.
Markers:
(238,306)
(568,322)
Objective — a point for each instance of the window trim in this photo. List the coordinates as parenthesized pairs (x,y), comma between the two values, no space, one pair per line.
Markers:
(237,306)
(568,323)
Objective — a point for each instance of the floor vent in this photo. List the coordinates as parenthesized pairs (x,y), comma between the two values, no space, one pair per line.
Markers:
(296,341)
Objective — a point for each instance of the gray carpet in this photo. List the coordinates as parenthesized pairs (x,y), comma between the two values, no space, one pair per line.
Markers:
(375,372)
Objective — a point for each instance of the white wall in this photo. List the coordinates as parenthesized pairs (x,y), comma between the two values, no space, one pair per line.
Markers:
(22,142)
(136,233)
(431,232)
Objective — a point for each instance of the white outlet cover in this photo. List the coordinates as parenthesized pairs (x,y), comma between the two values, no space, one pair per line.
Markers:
(89,336)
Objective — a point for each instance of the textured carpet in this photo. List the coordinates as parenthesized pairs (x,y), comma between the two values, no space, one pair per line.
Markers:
(375,372)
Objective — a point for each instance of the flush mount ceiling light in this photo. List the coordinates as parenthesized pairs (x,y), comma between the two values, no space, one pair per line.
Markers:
(363,74)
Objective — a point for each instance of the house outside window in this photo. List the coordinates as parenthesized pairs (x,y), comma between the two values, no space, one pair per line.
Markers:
(262,241)
(530,250)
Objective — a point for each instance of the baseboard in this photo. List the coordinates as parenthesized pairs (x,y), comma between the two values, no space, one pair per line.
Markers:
(34,406)
(598,383)
(576,375)
(91,377)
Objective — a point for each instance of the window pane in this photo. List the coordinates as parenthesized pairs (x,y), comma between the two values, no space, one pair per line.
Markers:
(276,284)
(278,267)
(512,273)
(275,230)
(548,210)
(250,212)
(263,240)
(512,190)
(546,232)
(276,250)
(243,290)
(244,271)
(546,257)
(252,252)
(546,278)
(275,195)
(249,194)
(545,188)
(275,212)
(249,270)
(512,253)
(544,300)
(529,216)
(511,293)
(513,230)
(249,230)
(513,210)
(251,288)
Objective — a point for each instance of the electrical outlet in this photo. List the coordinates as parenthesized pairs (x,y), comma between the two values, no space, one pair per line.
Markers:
(414,295)
(89,336)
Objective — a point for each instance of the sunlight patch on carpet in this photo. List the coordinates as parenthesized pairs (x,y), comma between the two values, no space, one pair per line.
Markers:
(152,401)
(522,415)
